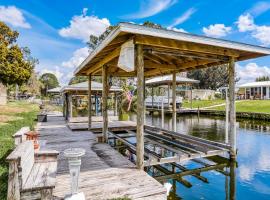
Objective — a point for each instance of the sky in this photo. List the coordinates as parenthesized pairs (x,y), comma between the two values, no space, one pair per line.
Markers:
(57,31)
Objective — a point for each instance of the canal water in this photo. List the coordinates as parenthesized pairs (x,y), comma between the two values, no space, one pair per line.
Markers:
(252,177)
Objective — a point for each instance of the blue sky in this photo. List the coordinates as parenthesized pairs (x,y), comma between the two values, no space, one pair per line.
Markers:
(57,31)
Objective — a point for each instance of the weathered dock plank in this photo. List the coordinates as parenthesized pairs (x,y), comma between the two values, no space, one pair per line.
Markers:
(97,126)
(105,173)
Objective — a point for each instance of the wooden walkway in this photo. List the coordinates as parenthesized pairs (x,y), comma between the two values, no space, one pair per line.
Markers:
(94,119)
(105,174)
(97,126)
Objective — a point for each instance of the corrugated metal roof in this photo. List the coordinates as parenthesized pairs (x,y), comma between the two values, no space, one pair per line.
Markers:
(255,84)
(95,86)
(168,79)
(173,35)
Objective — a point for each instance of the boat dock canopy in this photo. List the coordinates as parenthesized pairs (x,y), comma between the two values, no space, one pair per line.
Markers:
(168,79)
(165,51)
(95,86)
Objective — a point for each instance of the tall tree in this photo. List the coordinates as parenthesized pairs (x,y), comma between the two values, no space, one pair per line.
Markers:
(16,64)
(262,78)
(33,85)
(77,79)
(48,81)
(212,77)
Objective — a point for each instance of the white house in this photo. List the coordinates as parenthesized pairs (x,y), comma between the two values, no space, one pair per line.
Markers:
(255,90)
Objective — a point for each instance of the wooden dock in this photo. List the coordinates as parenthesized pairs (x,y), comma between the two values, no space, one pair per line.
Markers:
(94,119)
(180,147)
(170,111)
(105,173)
(97,126)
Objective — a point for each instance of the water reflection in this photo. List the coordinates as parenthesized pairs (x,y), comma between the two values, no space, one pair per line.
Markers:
(253,172)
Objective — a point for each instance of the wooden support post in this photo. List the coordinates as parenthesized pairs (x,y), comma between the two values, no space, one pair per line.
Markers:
(66,106)
(70,106)
(232,180)
(89,101)
(104,102)
(96,106)
(191,98)
(115,104)
(152,93)
(174,101)
(140,107)
(13,192)
(227,117)
(162,113)
(245,93)
(168,96)
(232,117)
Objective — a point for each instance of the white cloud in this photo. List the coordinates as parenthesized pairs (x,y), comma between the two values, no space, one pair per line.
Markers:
(150,8)
(184,17)
(251,71)
(13,16)
(56,72)
(177,29)
(77,58)
(262,34)
(259,8)
(217,30)
(82,26)
(246,23)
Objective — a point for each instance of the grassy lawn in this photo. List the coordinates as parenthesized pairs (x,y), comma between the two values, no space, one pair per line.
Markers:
(13,116)
(202,103)
(256,106)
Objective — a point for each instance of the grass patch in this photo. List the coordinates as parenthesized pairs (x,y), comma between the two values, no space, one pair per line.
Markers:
(21,114)
(202,103)
(254,106)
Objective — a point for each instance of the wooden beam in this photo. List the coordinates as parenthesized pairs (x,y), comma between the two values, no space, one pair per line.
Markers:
(140,107)
(174,101)
(191,171)
(165,69)
(104,103)
(104,61)
(164,58)
(150,64)
(184,46)
(89,101)
(232,114)
(149,57)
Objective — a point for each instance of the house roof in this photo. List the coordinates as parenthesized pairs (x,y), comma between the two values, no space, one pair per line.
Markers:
(255,84)
(95,86)
(168,79)
(165,51)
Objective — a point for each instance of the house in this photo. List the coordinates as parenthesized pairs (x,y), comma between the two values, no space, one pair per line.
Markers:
(254,90)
